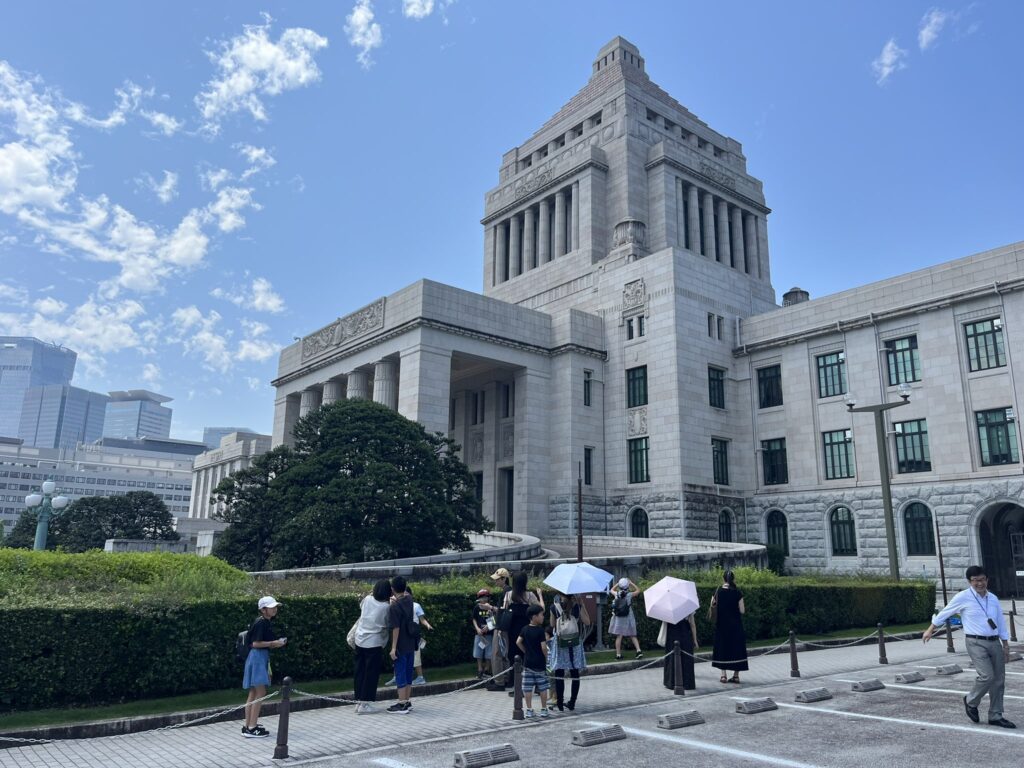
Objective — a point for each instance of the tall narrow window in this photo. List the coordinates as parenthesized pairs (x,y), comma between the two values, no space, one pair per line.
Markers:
(639,527)
(451,415)
(716,387)
(769,386)
(917,521)
(912,453)
(985,344)
(629,328)
(997,435)
(720,460)
(588,380)
(773,461)
(778,530)
(641,325)
(831,374)
(588,466)
(508,400)
(903,361)
(475,403)
(838,454)
(844,532)
(636,386)
(637,451)
(720,324)
(725,525)
(712,325)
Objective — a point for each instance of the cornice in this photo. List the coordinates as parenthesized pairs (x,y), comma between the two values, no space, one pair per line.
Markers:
(506,210)
(707,181)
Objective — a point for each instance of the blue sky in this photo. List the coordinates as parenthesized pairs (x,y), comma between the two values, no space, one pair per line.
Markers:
(185,187)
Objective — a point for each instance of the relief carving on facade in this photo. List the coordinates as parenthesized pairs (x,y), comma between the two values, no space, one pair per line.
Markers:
(508,441)
(630,231)
(476,447)
(636,425)
(529,185)
(634,295)
(362,321)
(716,175)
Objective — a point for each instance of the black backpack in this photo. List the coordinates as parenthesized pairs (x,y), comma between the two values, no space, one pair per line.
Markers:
(620,606)
(242,644)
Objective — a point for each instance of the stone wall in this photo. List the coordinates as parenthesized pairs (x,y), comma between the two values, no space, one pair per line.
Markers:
(702,510)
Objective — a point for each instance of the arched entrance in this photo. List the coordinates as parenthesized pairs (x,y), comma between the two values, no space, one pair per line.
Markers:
(1001,536)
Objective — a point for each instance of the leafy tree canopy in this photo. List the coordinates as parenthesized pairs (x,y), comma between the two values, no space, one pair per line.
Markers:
(362,483)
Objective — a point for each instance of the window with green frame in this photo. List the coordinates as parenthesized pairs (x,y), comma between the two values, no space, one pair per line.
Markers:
(725,525)
(831,374)
(773,461)
(917,523)
(637,450)
(903,361)
(716,387)
(912,454)
(636,386)
(997,436)
(985,344)
(778,530)
(844,532)
(720,460)
(838,454)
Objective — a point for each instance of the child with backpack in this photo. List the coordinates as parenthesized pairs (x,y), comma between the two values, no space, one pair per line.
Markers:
(623,622)
(570,621)
(533,644)
(259,640)
(483,627)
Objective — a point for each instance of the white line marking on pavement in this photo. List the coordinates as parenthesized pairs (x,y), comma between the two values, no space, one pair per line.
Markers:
(387,762)
(925,688)
(979,731)
(710,747)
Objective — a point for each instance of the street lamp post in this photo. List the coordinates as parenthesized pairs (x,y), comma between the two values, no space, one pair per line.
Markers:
(883,468)
(46,502)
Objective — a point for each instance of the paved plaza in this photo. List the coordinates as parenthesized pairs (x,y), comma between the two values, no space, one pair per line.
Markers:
(914,720)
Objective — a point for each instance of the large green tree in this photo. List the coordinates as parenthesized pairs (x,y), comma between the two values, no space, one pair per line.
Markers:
(88,522)
(361,483)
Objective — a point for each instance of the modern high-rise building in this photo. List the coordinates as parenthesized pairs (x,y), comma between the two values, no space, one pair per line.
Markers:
(61,416)
(27,362)
(212,435)
(137,413)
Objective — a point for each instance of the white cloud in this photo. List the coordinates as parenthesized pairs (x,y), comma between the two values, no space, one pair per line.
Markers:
(363,32)
(166,124)
(200,337)
(49,306)
(259,159)
(251,66)
(253,382)
(931,25)
(128,99)
(417,9)
(227,209)
(257,350)
(213,179)
(11,294)
(165,190)
(260,297)
(891,59)
(151,374)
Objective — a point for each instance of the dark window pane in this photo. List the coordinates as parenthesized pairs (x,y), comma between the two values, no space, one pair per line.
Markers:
(844,532)
(637,452)
(636,386)
(831,374)
(838,454)
(778,530)
(903,362)
(724,526)
(773,460)
(997,436)
(917,520)
(985,344)
(912,453)
(716,387)
(638,525)
(769,386)
(720,460)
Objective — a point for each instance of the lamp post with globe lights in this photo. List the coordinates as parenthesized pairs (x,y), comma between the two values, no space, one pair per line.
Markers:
(46,502)
(883,467)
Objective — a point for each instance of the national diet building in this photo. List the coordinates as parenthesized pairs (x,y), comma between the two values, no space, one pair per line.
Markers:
(628,334)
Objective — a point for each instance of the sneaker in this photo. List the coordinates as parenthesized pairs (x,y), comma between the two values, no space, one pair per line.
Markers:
(618,657)
(545,712)
(256,732)
(419,680)
(639,654)
(529,713)
(390,682)
(366,709)
(400,708)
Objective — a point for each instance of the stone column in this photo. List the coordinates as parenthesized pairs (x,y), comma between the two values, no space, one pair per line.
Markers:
(332,391)
(532,459)
(750,243)
(680,217)
(559,224)
(310,402)
(529,254)
(514,247)
(424,388)
(739,252)
(385,384)
(763,262)
(709,226)
(544,233)
(692,220)
(358,385)
(724,249)
(501,232)
(574,225)
(286,413)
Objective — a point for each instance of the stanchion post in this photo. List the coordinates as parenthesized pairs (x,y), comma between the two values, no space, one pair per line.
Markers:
(949,638)
(677,669)
(1013,605)
(281,750)
(881,645)
(1013,627)
(794,665)
(517,681)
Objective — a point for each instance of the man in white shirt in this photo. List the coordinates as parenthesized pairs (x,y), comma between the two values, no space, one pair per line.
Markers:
(988,644)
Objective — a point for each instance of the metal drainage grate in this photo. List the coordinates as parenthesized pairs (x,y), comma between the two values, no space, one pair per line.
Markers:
(948,669)
(473,758)
(680,719)
(753,706)
(909,677)
(591,736)
(813,694)
(873,684)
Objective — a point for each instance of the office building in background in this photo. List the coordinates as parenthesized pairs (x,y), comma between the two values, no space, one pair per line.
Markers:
(26,362)
(137,413)
(61,416)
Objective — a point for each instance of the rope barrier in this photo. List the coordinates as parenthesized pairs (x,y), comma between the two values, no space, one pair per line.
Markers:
(213,716)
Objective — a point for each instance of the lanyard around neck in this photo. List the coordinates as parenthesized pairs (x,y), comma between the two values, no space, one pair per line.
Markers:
(983,607)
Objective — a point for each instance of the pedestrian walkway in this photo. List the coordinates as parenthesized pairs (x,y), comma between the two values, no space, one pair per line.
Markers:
(339,731)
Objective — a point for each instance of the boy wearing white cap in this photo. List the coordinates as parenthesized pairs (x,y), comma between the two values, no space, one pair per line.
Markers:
(260,639)
(623,622)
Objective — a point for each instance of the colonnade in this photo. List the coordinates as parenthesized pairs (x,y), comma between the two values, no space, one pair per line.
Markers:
(719,229)
(538,234)
(381,387)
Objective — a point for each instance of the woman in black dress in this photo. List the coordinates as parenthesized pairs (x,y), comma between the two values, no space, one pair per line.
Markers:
(730,652)
(685,632)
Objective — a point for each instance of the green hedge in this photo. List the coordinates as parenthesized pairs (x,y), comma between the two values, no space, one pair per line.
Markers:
(57,656)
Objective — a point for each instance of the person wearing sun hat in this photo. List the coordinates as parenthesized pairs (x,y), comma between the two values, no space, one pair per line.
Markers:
(499,641)
(260,639)
(623,622)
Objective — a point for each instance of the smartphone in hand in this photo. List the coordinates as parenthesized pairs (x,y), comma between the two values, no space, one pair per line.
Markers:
(284,640)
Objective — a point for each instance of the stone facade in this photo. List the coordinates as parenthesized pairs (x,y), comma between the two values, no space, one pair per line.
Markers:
(627,310)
